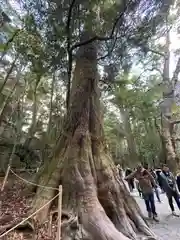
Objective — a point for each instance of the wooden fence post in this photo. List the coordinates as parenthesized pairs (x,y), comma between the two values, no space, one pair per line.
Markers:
(5,178)
(59,213)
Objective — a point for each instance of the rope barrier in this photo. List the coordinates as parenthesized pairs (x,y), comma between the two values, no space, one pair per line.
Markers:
(26,181)
(13,228)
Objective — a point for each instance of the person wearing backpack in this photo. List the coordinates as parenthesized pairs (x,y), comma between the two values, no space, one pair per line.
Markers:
(170,188)
(146,183)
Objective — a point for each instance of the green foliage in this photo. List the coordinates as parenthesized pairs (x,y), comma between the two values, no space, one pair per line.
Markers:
(133,94)
(115,136)
(2,47)
(46,41)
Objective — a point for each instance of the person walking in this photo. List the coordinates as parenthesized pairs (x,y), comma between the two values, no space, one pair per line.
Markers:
(146,183)
(120,171)
(178,181)
(129,181)
(146,166)
(159,179)
(170,188)
(156,190)
(138,188)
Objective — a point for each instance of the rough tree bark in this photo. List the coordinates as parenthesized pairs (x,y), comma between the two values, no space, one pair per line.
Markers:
(167,127)
(92,189)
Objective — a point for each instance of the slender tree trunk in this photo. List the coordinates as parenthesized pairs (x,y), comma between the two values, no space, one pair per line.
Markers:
(51,104)
(92,189)
(8,73)
(32,128)
(129,137)
(7,101)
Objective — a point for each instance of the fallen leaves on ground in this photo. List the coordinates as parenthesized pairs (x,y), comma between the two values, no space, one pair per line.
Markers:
(15,205)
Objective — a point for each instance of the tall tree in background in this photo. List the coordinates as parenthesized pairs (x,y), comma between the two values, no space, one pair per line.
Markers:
(168,119)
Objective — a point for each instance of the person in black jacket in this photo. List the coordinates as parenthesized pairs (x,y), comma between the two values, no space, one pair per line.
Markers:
(178,181)
(170,188)
(159,179)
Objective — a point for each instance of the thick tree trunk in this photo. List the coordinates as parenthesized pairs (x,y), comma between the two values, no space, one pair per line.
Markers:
(92,189)
(166,110)
(168,143)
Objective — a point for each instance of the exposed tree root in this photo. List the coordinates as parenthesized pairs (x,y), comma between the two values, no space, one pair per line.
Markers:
(105,210)
(118,203)
(28,226)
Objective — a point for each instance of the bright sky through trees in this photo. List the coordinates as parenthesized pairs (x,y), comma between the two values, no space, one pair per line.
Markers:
(174,37)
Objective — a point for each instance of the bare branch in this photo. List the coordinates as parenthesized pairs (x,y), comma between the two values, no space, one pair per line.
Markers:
(155,69)
(95,38)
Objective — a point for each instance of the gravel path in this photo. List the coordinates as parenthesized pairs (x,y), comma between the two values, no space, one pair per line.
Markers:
(169,226)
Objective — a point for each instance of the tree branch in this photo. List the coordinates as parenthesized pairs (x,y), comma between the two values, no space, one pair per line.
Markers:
(146,48)
(155,86)
(111,49)
(9,73)
(155,69)
(154,51)
(175,122)
(176,73)
(8,43)
(100,38)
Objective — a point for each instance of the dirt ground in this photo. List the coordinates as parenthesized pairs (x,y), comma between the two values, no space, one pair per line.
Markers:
(169,226)
(15,203)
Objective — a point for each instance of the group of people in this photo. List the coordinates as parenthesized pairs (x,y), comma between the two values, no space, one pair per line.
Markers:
(147,182)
